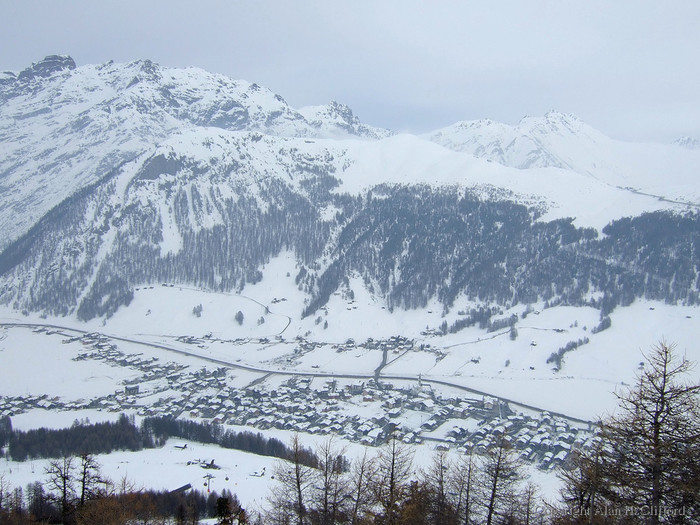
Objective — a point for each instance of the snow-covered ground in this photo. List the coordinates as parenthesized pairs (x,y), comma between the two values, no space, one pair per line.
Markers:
(34,365)
(564,192)
(563,141)
(488,362)
(249,476)
(37,363)
(43,364)
(167,468)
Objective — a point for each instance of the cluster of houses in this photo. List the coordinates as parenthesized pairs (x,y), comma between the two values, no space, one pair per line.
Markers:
(11,405)
(365,411)
(99,347)
(545,440)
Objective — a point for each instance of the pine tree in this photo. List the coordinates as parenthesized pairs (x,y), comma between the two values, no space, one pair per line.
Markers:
(462,481)
(332,493)
(437,481)
(360,495)
(291,497)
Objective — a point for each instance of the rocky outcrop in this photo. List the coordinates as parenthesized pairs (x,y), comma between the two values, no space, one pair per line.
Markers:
(48,66)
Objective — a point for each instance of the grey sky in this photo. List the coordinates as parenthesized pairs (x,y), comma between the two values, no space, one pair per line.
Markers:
(629,68)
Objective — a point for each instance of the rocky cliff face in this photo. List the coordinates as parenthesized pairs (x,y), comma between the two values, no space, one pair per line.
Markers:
(51,65)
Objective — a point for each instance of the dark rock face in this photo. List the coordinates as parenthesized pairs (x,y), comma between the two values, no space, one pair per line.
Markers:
(47,67)
(7,77)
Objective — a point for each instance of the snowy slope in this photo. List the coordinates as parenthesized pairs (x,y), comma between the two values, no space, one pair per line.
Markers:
(180,198)
(181,177)
(64,127)
(564,141)
(559,192)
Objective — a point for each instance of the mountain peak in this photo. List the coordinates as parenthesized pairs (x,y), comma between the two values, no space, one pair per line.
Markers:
(552,119)
(544,141)
(342,110)
(687,142)
(48,66)
(341,114)
(335,118)
(6,77)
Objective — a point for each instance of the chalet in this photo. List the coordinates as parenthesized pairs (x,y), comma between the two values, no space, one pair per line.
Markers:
(375,435)
(522,441)
(430,425)
(490,403)
(482,446)
(547,459)
(394,413)
(561,446)
(560,457)
(364,429)
(425,405)
(131,390)
(356,388)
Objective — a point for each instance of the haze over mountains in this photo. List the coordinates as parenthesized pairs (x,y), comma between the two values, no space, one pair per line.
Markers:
(115,176)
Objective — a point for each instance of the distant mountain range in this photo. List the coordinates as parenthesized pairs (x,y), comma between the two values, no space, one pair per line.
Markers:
(119,175)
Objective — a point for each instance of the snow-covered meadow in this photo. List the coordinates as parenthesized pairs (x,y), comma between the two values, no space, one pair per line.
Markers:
(42,363)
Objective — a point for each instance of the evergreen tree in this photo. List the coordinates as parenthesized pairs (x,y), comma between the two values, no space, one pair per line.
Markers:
(655,440)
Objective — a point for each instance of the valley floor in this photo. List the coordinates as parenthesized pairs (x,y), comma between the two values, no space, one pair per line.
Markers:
(457,391)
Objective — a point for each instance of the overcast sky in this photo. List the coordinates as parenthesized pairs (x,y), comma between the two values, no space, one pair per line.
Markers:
(629,68)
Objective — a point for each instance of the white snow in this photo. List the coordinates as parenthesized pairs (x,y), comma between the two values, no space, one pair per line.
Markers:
(556,163)
(39,364)
(563,141)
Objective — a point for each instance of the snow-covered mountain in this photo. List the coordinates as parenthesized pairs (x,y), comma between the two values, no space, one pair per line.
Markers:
(121,175)
(64,127)
(335,120)
(525,145)
(564,141)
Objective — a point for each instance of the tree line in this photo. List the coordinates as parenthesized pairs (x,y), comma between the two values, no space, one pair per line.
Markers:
(410,244)
(416,243)
(96,438)
(5,432)
(125,434)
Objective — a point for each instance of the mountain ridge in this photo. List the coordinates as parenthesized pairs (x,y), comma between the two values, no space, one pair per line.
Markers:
(121,175)
(76,123)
